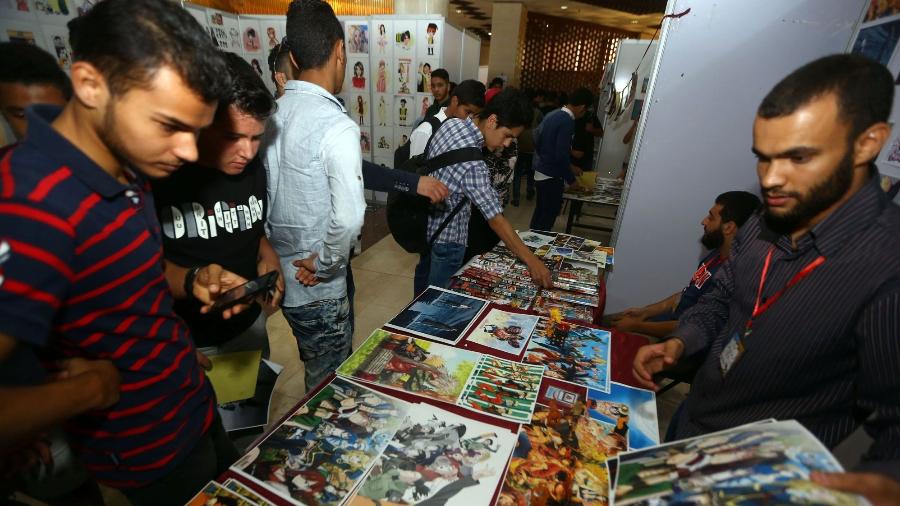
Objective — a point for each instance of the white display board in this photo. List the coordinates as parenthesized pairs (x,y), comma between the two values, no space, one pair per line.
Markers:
(693,141)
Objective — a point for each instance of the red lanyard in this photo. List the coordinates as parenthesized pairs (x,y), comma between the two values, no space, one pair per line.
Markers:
(714,262)
(760,309)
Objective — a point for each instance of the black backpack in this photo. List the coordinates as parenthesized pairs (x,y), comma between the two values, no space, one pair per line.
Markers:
(407,215)
(401,154)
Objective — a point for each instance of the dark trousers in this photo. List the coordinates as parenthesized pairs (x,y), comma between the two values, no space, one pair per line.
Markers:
(523,168)
(211,456)
(482,237)
(549,203)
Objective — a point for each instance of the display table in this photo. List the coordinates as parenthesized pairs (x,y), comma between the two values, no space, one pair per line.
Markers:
(606,194)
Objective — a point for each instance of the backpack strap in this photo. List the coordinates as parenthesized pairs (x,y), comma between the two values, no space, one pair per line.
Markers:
(435,125)
(452,157)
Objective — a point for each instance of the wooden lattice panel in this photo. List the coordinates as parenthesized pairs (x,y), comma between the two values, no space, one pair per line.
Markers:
(561,55)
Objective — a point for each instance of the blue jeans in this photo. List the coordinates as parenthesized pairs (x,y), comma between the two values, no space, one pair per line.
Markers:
(549,203)
(437,266)
(324,334)
(523,169)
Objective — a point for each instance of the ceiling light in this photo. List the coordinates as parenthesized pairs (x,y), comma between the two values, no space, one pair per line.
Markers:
(563,7)
(490,34)
(634,21)
(459,11)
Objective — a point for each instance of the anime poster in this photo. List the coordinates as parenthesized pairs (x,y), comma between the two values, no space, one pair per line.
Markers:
(877,41)
(412,365)
(58,12)
(358,108)
(438,458)
(423,102)
(767,463)
(439,314)
(431,34)
(22,32)
(365,143)
(503,389)
(401,136)
(565,396)
(240,489)
(357,75)
(16,9)
(57,38)
(405,38)
(504,331)
(214,493)
(632,410)
(251,36)
(423,74)
(571,312)
(225,30)
(571,353)
(381,40)
(357,37)
(560,459)
(258,61)
(319,454)
(404,112)
(381,75)
(404,72)
(881,9)
(383,139)
(534,239)
(384,116)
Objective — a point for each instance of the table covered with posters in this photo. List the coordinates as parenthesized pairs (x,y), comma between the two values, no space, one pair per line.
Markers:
(605,195)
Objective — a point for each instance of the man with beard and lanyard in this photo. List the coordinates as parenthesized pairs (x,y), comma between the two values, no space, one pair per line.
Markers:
(803,320)
(727,215)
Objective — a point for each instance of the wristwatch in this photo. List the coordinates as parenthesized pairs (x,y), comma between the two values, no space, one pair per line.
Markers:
(189,282)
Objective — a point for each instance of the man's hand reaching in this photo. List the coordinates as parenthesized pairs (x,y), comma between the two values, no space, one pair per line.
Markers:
(432,188)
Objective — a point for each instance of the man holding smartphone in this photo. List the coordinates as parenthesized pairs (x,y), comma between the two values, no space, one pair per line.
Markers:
(213,211)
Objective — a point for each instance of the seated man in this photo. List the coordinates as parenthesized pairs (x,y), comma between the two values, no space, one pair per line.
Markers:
(729,213)
(803,319)
(467,99)
(494,127)
(28,75)
(213,211)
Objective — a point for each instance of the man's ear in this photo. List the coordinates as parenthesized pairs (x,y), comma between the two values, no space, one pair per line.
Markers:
(729,228)
(281,78)
(89,86)
(869,143)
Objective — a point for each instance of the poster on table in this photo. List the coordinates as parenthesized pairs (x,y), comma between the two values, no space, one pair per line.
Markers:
(571,352)
(57,40)
(251,38)
(502,389)
(878,9)
(356,34)
(430,34)
(323,449)
(438,457)
(383,143)
(439,314)
(632,410)
(20,31)
(225,30)
(504,331)
(16,9)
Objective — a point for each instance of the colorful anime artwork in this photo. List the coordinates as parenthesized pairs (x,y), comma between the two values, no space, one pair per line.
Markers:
(318,455)
(764,463)
(439,315)
(438,458)
(571,352)
(632,410)
(503,389)
(411,365)
(560,459)
(504,331)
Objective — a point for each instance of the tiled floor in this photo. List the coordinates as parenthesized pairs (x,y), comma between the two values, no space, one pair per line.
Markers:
(383,275)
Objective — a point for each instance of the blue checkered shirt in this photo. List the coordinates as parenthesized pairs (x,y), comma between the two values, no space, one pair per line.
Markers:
(467,179)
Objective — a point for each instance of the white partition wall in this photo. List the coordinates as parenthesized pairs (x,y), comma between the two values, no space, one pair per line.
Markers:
(693,142)
(453,41)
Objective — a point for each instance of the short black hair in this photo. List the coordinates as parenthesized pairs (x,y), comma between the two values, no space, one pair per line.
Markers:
(441,74)
(130,40)
(495,81)
(512,107)
(280,60)
(469,92)
(581,96)
(737,206)
(864,90)
(30,65)
(313,30)
(248,92)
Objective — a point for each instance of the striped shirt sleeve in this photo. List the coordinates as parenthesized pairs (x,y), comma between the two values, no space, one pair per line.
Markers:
(476,184)
(36,252)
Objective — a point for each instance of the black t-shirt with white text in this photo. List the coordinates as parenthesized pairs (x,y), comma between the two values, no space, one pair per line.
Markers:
(207,217)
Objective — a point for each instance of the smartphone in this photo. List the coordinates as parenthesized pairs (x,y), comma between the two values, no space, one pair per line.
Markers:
(247,292)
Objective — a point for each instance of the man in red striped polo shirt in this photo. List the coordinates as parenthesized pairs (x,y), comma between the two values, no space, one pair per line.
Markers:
(82,273)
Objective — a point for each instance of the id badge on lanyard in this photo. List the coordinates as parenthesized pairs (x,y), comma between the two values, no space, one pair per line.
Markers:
(736,347)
